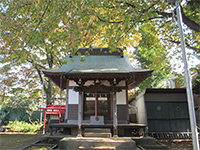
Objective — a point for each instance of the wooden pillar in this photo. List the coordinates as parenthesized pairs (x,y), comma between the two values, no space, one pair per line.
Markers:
(111,105)
(67,100)
(80,114)
(115,131)
(127,108)
(96,106)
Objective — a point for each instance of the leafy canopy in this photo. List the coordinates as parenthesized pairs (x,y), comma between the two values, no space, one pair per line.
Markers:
(41,32)
(196,80)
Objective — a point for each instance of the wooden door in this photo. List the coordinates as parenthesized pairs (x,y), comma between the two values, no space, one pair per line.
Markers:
(103,105)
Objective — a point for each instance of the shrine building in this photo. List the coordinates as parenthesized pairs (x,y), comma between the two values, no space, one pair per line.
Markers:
(97,89)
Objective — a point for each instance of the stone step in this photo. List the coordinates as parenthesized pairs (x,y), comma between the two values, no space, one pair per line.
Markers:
(99,135)
(44,144)
(146,141)
(149,143)
(153,147)
(118,143)
(97,148)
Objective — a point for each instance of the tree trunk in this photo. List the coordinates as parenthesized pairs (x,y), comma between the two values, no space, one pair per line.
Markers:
(48,87)
(48,92)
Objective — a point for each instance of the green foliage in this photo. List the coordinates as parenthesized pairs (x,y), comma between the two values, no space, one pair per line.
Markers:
(196,85)
(196,81)
(180,80)
(152,54)
(22,126)
(192,10)
(23,99)
(41,32)
(56,26)
(26,100)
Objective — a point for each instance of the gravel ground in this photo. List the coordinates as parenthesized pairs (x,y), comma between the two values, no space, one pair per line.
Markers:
(178,144)
(7,141)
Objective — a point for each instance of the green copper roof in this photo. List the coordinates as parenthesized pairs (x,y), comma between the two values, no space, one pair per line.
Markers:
(97,64)
(100,64)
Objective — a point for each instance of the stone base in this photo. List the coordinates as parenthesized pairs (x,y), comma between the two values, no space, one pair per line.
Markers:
(146,141)
(100,120)
(150,143)
(51,139)
(96,143)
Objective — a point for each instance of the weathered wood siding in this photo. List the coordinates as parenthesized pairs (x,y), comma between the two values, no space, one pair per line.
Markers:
(73,112)
(122,112)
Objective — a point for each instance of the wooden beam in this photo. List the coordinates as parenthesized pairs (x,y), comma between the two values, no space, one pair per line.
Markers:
(97,87)
(115,131)
(127,108)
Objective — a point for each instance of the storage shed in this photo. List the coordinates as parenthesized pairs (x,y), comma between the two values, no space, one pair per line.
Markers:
(164,110)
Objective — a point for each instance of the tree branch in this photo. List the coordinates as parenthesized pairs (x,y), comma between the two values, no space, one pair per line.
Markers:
(31,61)
(190,23)
(187,45)
(39,22)
(24,4)
(137,20)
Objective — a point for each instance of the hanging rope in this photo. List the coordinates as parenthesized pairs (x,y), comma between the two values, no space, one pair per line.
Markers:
(96,107)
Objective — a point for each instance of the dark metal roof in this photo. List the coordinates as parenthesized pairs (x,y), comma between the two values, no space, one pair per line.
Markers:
(99,66)
(96,64)
(99,51)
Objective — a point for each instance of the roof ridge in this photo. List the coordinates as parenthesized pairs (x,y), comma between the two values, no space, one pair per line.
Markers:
(98,51)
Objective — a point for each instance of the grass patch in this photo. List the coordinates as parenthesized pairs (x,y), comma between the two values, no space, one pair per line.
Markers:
(10,140)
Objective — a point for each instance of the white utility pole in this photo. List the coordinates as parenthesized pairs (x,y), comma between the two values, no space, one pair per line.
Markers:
(188,80)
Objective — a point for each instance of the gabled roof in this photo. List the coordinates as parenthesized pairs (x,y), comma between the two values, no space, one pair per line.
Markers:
(100,65)
(96,64)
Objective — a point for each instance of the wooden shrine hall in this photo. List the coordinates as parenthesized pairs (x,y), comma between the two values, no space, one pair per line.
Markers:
(97,90)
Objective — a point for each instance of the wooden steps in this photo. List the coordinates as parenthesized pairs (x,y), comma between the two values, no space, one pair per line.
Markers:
(97,148)
(88,143)
(97,132)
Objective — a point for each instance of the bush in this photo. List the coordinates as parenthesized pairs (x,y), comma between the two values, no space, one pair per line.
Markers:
(22,126)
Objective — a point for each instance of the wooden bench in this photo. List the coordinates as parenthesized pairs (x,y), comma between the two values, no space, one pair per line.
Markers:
(5,128)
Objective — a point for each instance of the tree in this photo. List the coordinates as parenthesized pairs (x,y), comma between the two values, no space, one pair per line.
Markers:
(42,32)
(21,103)
(196,81)
(151,53)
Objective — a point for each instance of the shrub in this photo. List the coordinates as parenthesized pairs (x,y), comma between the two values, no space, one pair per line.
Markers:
(22,126)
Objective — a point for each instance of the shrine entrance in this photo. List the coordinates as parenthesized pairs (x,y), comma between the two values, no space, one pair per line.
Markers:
(103,105)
